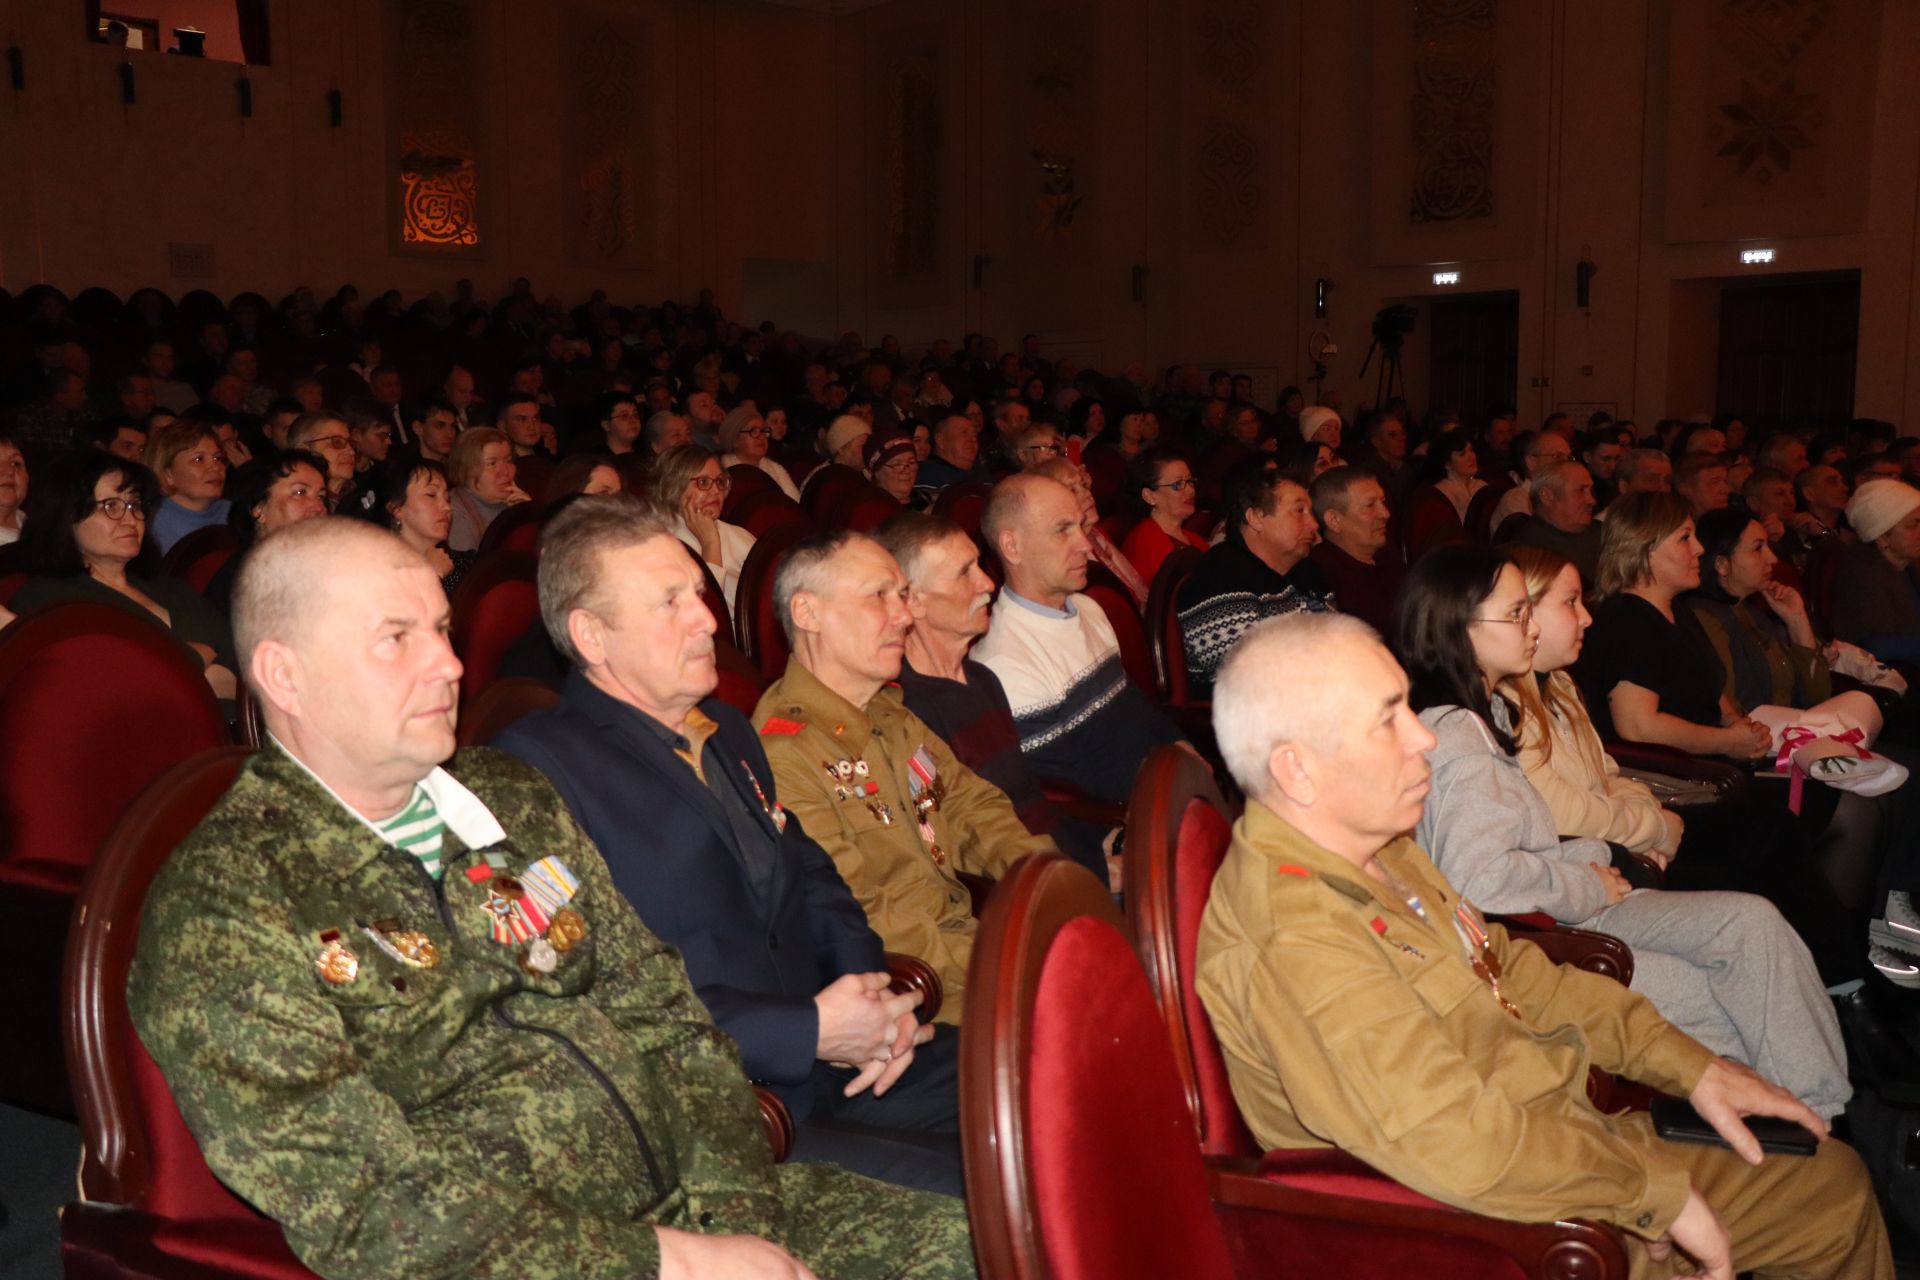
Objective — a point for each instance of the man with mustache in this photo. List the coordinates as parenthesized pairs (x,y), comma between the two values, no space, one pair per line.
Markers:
(1362,1003)
(1081,721)
(672,785)
(898,812)
(407,1014)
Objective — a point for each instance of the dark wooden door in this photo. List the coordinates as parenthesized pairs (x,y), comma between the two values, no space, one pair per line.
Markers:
(1476,353)
(1787,352)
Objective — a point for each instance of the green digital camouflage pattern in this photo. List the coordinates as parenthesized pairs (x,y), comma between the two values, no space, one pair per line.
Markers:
(914,901)
(471,1118)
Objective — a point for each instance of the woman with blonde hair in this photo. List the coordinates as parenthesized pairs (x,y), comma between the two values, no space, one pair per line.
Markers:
(481,471)
(689,488)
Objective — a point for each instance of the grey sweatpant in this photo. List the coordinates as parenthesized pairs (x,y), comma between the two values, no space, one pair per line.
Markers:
(1730,972)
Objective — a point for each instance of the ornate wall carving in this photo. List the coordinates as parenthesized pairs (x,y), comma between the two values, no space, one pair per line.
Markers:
(1228,74)
(434,126)
(1451,111)
(1060,46)
(911,149)
(610,168)
(1770,127)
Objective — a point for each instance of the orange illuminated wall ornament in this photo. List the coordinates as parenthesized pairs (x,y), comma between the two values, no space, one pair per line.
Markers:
(439,193)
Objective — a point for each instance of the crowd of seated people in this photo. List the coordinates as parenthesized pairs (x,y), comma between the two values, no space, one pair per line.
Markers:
(931,726)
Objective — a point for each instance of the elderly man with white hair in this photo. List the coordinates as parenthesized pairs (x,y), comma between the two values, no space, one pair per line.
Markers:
(1361,1003)
(408,1016)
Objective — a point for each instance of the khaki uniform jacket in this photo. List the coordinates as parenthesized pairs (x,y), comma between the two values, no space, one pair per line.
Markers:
(1347,1021)
(913,900)
(465,1118)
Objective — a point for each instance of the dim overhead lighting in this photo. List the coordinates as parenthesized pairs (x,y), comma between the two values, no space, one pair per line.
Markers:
(1446,277)
(1755,257)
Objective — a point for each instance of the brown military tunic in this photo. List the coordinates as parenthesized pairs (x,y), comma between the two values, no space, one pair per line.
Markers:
(1348,1020)
(897,812)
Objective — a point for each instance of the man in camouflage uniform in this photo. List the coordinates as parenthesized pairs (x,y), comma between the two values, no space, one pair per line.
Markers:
(876,788)
(409,1017)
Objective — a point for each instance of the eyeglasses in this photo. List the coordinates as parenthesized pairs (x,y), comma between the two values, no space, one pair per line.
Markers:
(755,431)
(331,442)
(1040,448)
(902,465)
(114,508)
(1519,620)
(1185,482)
(707,484)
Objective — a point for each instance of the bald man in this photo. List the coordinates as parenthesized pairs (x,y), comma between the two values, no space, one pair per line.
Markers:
(1362,1003)
(1080,720)
(406,1013)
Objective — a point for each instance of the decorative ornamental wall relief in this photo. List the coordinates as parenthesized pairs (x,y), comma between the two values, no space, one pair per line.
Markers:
(612,183)
(1452,109)
(433,114)
(1228,75)
(1061,42)
(1775,112)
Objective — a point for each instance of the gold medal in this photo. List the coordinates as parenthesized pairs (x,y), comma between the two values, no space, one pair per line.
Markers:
(409,946)
(335,964)
(567,929)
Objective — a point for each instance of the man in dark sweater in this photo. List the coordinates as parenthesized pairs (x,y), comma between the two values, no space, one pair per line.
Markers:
(1363,568)
(1260,571)
(1562,519)
(949,596)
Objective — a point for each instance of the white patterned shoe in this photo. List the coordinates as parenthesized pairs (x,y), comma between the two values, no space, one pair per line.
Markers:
(1903,919)
(1902,968)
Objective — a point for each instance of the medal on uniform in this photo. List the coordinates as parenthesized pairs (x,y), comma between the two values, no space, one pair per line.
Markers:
(567,931)
(410,947)
(1486,965)
(924,783)
(541,957)
(550,886)
(775,814)
(875,805)
(335,964)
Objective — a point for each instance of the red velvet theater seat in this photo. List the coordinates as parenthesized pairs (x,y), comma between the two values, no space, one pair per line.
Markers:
(1317,1203)
(94,703)
(495,603)
(149,1205)
(756,625)
(1080,1158)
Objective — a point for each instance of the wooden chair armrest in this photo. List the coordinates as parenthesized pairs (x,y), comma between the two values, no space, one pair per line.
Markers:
(1072,802)
(1582,948)
(911,973)
(1255,1200)
(776,1120)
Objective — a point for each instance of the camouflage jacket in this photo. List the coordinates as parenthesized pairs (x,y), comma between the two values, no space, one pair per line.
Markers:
(434,1105)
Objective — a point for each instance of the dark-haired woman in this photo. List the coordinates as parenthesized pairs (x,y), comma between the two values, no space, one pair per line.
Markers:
(1723,967)
(415,500)
(268,494)
(1166,494)
(85,532)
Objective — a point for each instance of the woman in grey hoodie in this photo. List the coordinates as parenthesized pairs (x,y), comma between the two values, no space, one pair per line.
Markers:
(1724,967)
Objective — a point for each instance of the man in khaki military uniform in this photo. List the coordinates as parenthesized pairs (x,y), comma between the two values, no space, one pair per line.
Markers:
(1362,1004)
(879,791)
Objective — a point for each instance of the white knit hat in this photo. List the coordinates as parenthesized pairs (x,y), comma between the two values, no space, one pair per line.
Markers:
(1312,419)
(1878,505)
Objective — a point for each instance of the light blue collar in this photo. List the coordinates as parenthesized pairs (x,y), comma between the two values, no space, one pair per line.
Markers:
(1008,593)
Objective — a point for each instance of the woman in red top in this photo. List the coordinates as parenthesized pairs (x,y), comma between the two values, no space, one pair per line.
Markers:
(1166,489)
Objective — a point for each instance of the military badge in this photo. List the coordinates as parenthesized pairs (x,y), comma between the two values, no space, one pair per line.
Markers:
(568,930)
(410,947)
(550,884)
(541,957)
(775,813)
(335,964)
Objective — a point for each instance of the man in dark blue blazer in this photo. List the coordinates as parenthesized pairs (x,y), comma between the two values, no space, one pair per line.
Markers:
(673,786)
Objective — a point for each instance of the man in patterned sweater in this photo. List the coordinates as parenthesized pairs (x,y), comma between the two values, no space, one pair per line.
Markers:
(1080,720)
(1259,571)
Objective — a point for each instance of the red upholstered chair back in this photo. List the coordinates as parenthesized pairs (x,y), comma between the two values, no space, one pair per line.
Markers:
(831,489)
(1069,1098)
(716,598)
(1177,837)
(515,529)
(501,703)
(1821,573)
(94,704)
(757,626)
(747,481)
(865,510)
(740,684)
(1128,631)
(963,503)
(1479,522)
(1429,521)
(1169,643)
(493,606)
(762,513)
(1108,472)
(185,559)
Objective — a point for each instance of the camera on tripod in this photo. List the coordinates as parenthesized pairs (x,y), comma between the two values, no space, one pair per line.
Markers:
(1391,325)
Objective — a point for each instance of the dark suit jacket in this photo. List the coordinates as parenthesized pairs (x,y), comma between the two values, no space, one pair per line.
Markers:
(756,962)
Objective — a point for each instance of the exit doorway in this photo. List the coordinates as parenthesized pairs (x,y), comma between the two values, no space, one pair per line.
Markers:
(1788,348)
(1474,361)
